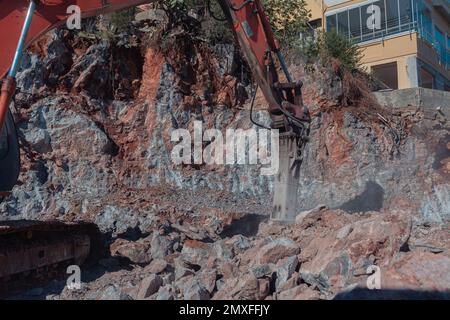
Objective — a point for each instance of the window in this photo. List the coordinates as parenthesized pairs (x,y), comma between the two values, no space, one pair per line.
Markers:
(331,23)
(392,17)
(405,14)
(426,79)
(387,73)
(355,24)
(367,22)
(425,23)
(447,54)
(440,44)
(380,25)
(343,25)
(375,19)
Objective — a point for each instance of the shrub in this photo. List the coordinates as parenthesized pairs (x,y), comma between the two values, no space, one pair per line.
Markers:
(336,46)
(289,18)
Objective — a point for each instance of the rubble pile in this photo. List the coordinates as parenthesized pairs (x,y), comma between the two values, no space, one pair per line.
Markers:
(325,255)
(95,120)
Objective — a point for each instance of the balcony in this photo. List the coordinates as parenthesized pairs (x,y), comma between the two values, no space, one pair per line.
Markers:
(380,19)
(375,20)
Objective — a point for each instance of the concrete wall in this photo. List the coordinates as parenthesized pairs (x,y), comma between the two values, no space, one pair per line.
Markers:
(420,97)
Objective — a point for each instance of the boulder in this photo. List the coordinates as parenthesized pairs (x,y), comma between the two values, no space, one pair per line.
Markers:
(156,266)
(285,271)
(149,286)
(137,252)
(276,250)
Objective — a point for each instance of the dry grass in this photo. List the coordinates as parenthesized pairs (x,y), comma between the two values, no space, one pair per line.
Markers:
(358,99)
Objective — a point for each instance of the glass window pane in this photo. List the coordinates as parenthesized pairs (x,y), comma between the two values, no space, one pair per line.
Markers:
(392,16)
(342,19)
(380,18)
(367,21)
(447,55)
(426,26)
(405,14)
(331,23)
(440,44)
(355,24)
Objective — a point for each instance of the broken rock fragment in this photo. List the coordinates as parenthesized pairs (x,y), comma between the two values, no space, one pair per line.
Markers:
(136,252)
(286,270)
(196,252)
(149,286)
(276,250)
(156,266)
(245,287)
(194,290)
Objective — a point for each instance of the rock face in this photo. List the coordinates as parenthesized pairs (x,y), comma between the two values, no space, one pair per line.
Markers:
(83,146)
(96,146)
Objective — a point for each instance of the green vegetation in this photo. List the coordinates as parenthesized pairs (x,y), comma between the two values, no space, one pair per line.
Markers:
(289,18)
(203,20)
(336,46)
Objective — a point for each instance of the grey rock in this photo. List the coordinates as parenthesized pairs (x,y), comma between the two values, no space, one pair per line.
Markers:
(320,281)
(166,293)
(116,220)
(168,278)
(196,254)
(223,251)
(207,278)
(285,271)
(302,215)
(111,292)
(219,284)
(276,250)
(262,271)
(344,232)
(182,270)
(156,266)
(160,246)
(31,75)
(149,286)
(194,290)
(240,243)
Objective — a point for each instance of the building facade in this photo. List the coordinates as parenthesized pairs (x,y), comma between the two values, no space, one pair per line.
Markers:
(405,43)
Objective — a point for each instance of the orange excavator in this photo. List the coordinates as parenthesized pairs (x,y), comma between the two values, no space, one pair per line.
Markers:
(24,21)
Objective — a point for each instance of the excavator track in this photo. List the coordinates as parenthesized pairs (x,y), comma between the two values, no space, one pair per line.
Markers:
(34,252)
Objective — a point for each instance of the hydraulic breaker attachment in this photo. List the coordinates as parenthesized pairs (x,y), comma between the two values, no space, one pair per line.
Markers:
(295,121)
(287,180)
(259,46)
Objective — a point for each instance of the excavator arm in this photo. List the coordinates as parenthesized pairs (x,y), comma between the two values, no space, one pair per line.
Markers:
(24,21)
